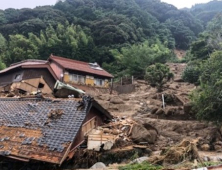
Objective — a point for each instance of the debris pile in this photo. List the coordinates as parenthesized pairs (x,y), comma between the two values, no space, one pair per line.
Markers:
(184,151)
(122,132)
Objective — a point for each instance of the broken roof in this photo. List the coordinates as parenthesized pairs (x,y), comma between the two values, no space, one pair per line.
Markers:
(31,63)
(79,66)
(28,130)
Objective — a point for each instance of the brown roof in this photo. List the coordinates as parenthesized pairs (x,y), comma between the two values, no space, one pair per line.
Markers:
(79,66)
(31,64)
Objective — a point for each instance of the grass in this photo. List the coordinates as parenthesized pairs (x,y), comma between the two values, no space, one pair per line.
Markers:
(143,166)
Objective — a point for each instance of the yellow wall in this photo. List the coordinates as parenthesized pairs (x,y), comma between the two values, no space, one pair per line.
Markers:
(66,78)
(106,84)
(90,81)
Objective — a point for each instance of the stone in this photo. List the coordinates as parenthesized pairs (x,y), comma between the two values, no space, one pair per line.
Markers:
(108,145)
(154,110)
(98,165)
(116,100)
(160,112)
(218,148)
(205,147)
(139,160)
(141,134)
(206,159)
(170,111)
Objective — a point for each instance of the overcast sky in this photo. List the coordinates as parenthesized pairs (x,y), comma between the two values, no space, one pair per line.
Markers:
(24,3)
(184,3)
(33,3)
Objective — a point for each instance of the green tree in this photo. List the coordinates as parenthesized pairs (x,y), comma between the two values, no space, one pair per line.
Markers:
(21,48)
(192,72)
(157,75)
(207,100)
(134,60)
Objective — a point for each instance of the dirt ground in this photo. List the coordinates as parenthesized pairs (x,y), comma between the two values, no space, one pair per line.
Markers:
(175,122)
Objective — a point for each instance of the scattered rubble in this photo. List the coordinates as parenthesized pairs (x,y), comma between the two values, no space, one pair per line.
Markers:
(184,151)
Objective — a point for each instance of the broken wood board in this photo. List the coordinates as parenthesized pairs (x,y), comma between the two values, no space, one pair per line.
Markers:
(96,140)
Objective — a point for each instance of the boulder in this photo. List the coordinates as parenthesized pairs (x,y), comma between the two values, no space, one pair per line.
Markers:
(205,147)
(98,165)
(141,134)
(139,160)
(116,100)
(170,111)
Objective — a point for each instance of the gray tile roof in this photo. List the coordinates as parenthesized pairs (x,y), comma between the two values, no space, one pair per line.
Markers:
(46,126)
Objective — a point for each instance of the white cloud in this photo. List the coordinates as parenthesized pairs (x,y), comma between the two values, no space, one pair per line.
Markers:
(184,3)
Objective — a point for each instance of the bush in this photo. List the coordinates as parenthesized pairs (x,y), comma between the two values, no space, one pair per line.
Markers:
(157,75)
(192,73)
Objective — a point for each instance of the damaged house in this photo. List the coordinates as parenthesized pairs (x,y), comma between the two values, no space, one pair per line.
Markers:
(78,72)
(47,130)
(28,76)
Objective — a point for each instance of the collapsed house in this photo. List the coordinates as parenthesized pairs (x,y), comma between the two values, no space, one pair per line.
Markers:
(47,130)
(28,76)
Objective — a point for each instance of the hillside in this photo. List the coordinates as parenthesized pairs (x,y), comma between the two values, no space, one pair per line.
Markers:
(101,31)
(207,11)
(106,25)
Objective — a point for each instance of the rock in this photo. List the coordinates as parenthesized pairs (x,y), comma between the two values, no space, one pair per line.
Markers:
(116,100)
(160,112)
(218,148)
(154,110)
(170,111)
(205,147)
(206,159)
(148,151)
(104,97)
(108,145)
(141,134)
(98,165)
(178,80)
(187,108)
(139,160)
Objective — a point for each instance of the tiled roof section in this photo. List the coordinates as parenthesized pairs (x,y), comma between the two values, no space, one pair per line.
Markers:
(79,66)
(28,130)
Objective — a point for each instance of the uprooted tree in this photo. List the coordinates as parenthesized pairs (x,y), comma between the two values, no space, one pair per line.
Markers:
(157,75)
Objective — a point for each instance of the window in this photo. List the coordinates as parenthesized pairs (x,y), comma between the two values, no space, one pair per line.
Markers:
(17,76)
(99,82)
(77,78)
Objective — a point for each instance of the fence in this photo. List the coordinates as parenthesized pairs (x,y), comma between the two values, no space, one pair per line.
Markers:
(124,85)
(123,89)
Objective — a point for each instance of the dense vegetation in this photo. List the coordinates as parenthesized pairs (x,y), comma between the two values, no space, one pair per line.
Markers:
(205,69)
(125,36)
